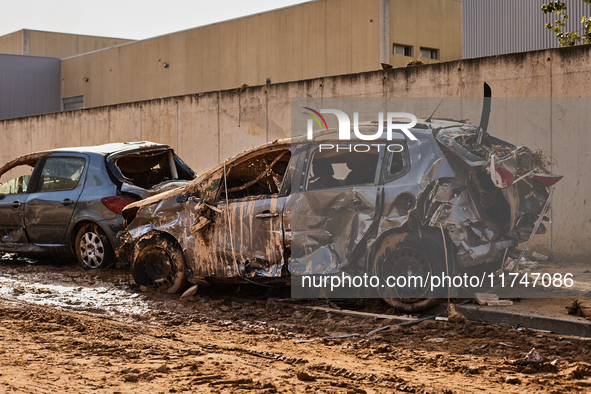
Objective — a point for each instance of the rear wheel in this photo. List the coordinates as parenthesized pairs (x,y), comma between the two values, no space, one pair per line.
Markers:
(407,255)
(92,246)
(158,262)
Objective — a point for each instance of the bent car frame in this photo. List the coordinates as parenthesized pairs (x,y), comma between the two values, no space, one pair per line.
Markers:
(454,199)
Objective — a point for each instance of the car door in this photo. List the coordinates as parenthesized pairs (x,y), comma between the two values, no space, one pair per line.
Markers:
(50,206)
(333,208)
(248,228)
(14,183)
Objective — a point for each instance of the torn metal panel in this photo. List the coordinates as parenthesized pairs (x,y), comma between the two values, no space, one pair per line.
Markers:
(327,227)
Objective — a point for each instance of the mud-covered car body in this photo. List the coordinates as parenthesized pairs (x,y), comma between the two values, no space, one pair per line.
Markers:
(46,198)
(286,208)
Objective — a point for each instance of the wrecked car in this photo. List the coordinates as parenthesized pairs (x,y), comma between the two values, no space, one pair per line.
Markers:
(455,198)
(68,201)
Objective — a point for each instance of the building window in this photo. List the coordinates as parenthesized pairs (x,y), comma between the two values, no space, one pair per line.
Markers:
(404,50)
(73,102)
(428,53)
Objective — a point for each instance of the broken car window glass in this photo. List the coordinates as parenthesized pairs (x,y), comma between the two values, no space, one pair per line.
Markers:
(341,167)
(61,173)
(259,176)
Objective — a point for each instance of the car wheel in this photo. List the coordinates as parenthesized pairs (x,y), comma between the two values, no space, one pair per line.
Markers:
(93,248)
(407,255)
(159,262)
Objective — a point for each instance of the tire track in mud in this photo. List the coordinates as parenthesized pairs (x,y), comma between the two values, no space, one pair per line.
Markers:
(223,359)
(215,342)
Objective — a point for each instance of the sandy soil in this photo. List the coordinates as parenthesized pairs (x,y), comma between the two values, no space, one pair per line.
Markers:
(63,329)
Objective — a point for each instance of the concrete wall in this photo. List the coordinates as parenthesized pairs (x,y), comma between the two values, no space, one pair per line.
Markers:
(207,128)
(44,43)
(29,85)
(313,39)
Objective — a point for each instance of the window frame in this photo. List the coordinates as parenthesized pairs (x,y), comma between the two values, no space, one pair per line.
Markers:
(431,51)
(66,101)
(39,171)
(386,176)
(221,196)
(404,49)
(25,191)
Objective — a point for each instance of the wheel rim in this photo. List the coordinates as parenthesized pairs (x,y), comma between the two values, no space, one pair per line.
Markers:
(92,250)
(409,262)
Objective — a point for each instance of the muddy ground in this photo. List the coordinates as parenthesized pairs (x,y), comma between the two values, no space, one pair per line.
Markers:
(63,329)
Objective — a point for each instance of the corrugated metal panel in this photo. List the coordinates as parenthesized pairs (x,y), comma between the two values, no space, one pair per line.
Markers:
(495,27)
(29,85)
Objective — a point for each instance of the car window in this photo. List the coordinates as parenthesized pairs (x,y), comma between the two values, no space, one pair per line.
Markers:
(259,176)
(61,173)
(341,167)
(396,162)
(16,180)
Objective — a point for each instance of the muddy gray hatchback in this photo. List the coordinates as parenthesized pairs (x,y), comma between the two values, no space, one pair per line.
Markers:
(69,201)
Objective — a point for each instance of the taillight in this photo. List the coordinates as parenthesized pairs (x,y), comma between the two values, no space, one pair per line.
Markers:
(547,179)
(117,203)
(506,175)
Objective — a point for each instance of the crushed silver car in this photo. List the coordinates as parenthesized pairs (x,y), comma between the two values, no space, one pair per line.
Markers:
(290,209)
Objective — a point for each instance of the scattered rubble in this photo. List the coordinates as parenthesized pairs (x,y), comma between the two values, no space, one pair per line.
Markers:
(580,307)
(523,266)
(532,357)
(539,256)
(454,316)
(490,299)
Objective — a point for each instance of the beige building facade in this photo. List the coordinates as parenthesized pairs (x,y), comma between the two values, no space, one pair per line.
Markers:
(309,40)
(50,44)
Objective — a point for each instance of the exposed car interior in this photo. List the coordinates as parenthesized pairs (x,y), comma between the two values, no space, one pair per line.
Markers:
(149,168)
(258,176)
(16,180)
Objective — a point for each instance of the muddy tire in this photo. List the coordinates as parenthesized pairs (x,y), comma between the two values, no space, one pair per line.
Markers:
(92,247)
(407,254)
(158,262)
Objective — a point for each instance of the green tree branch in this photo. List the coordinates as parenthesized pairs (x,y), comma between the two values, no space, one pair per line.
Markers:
(570,38)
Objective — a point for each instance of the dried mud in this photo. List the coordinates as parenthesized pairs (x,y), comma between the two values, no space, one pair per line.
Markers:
(63,329)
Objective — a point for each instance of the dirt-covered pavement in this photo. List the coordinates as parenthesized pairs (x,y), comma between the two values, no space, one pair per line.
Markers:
(63,329)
